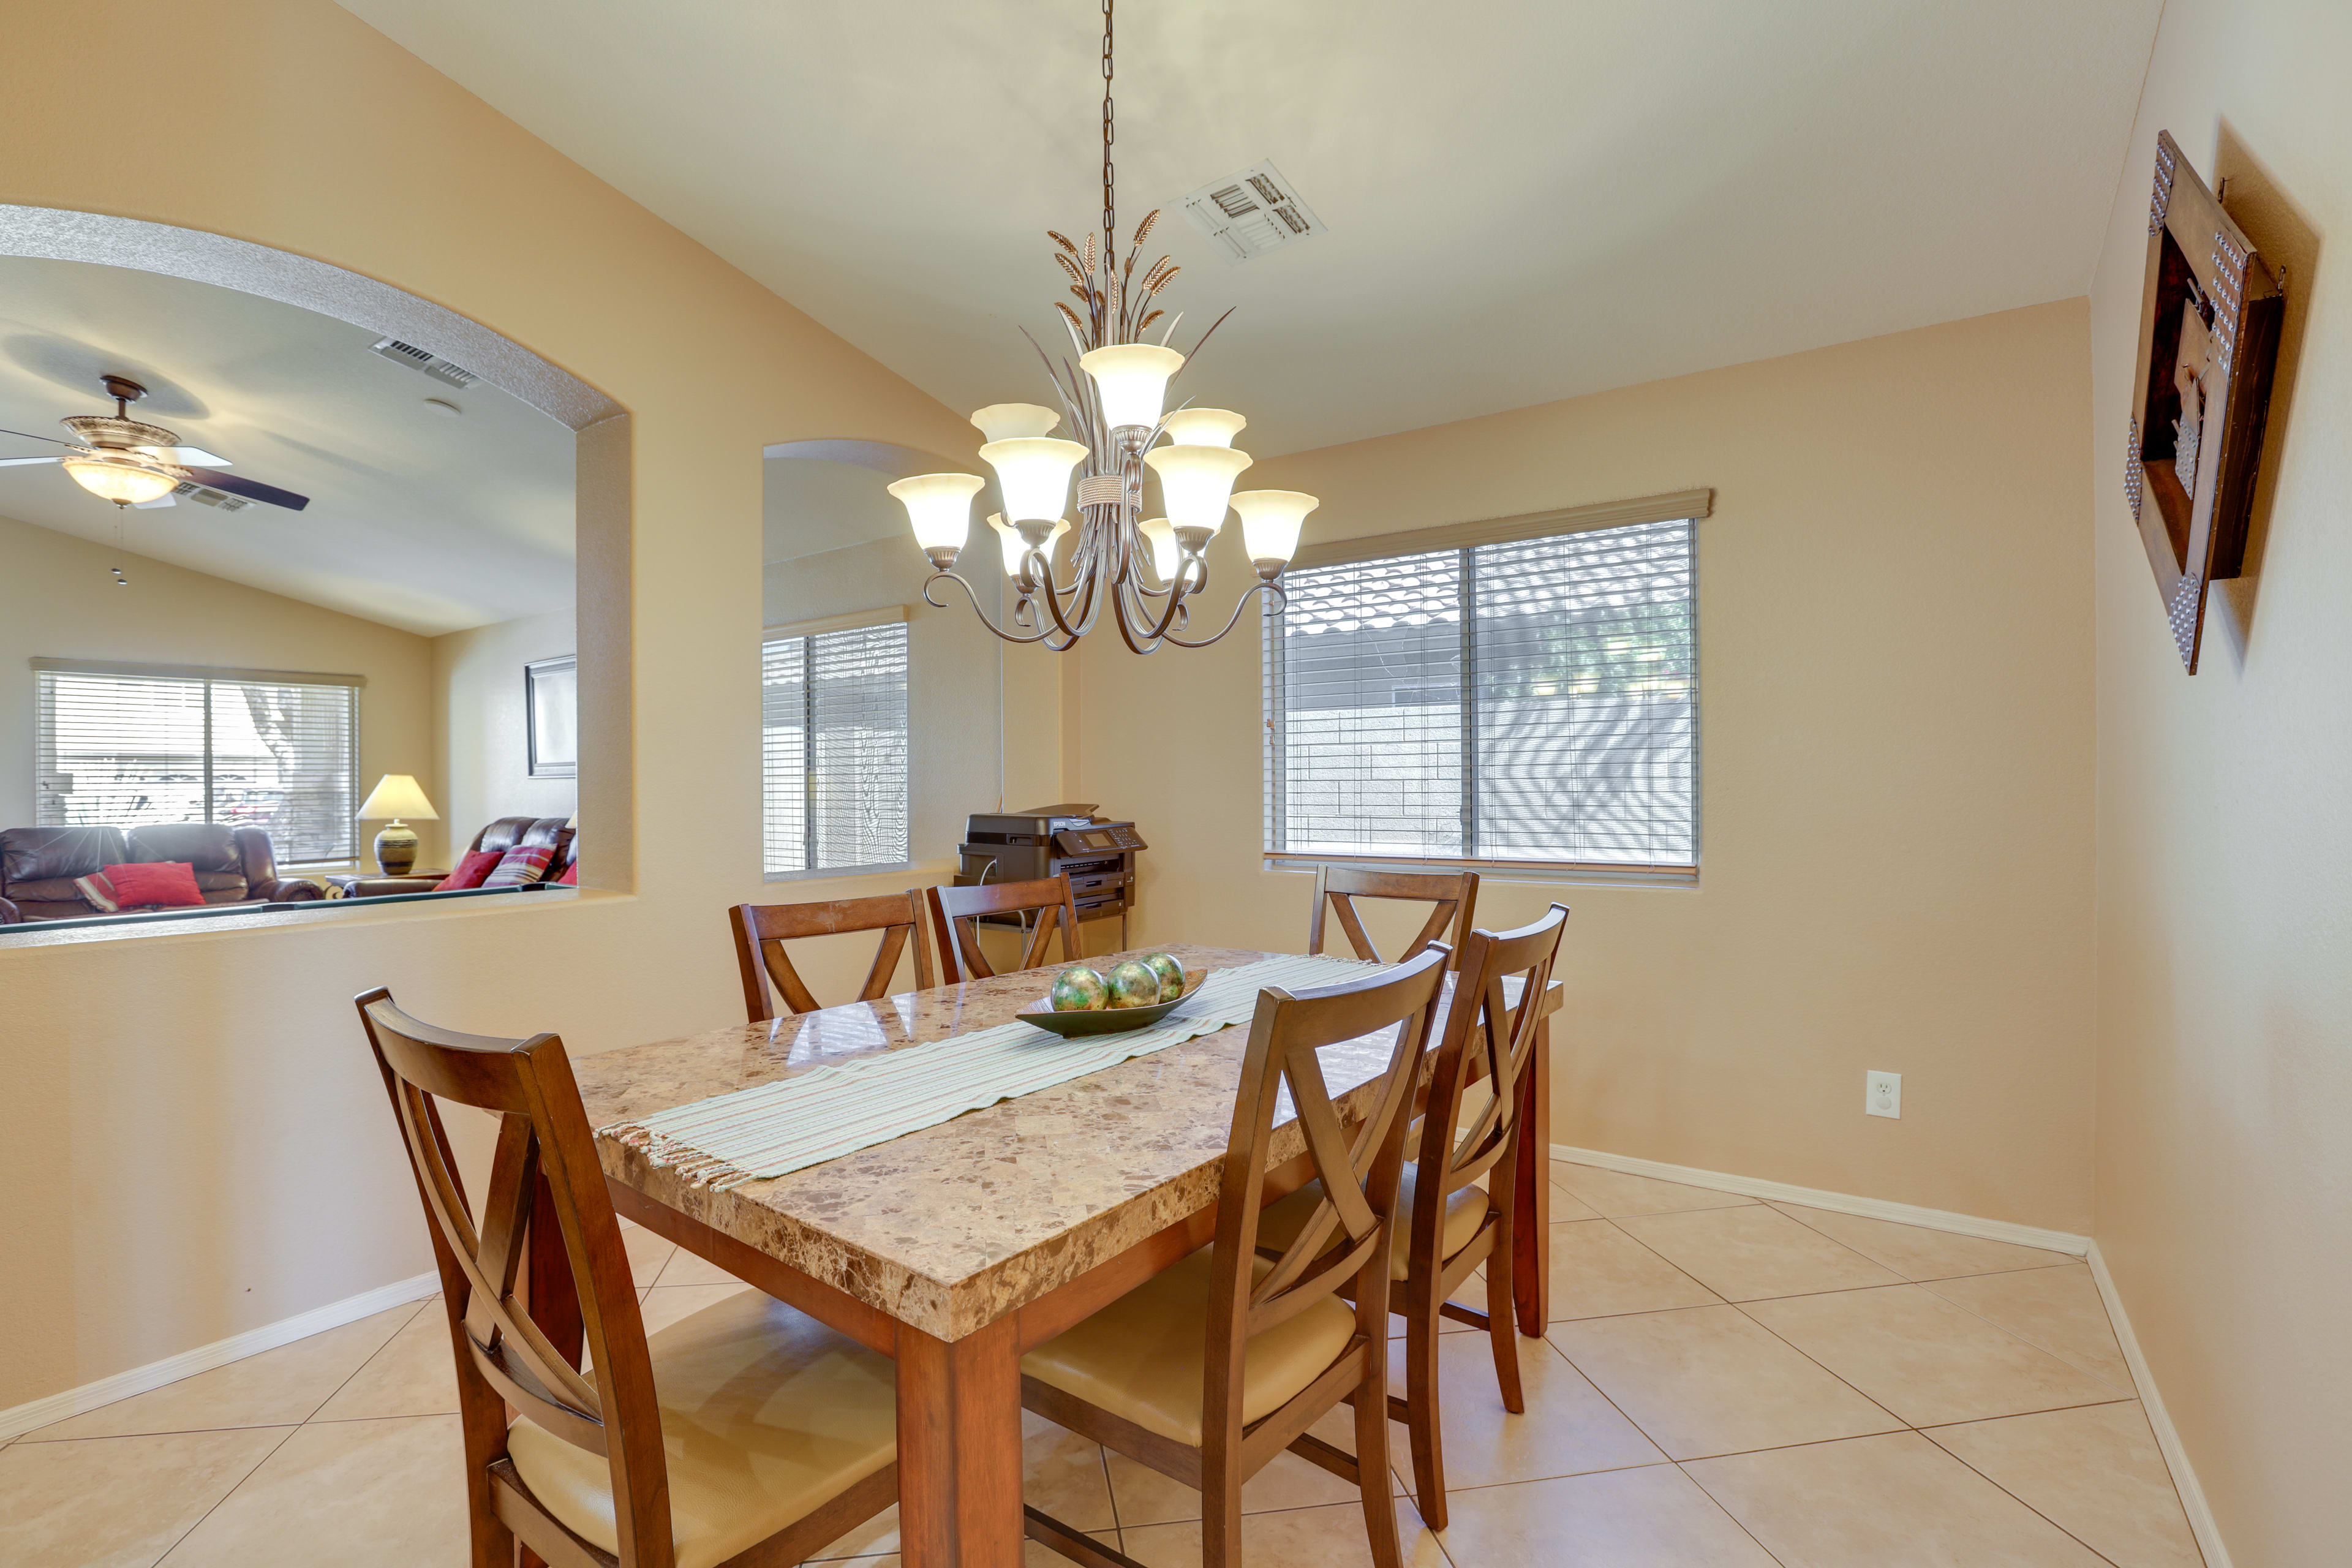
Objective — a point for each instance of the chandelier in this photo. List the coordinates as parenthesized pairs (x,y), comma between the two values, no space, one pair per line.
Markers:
(1145,572)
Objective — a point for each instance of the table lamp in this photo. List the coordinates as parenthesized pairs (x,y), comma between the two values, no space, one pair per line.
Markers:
(396,795)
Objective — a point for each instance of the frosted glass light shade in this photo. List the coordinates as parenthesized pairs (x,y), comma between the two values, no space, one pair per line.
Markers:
(1203,427)
(397,796)
(1034,471)
(1164,557)
(1271,521)
(1133,381)
(1010,421)
(124,481)
(1009,541)
(1197,483)
(940,507)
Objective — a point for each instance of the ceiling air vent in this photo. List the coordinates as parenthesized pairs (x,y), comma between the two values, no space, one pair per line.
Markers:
(1252,213)
(425,360)
(203,495)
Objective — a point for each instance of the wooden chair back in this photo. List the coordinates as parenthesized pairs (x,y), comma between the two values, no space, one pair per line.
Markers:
(761,931)
(1345,1243)
(1453,894)
(544,1173)
(954,911)
(1483,1038)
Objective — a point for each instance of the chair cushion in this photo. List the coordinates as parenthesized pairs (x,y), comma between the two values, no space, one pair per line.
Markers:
(1145,1356)
(1466,1211)
(765,1415)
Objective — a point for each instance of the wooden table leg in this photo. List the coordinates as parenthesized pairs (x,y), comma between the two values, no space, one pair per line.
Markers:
(1531,1223)
(960,1448)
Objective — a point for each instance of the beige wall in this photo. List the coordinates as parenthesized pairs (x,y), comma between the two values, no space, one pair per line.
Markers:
(1895,725)
(62,603)
(2225,843)
(198,1144)
(483,770)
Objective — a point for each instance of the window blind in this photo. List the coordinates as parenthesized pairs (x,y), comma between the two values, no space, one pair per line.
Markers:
(1530,701)
(128,750)
(834,750)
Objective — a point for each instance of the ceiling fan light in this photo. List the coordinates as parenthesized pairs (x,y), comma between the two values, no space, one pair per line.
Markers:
(1034,471)
(1164,557)
(938,506)
(1203,427)
(1016,548)
(1133,381)
(1271,521)
(1197,483)
(124,480)
(1010,421)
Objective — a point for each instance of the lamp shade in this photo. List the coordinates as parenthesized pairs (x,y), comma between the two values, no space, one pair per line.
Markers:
(940,507)
(1164,557)
(1203,427)
(1271,521)
(1133,381)
(1016,548)
(1197,483)
(1034,471)
(397,796)
(124,480)
(1009,421)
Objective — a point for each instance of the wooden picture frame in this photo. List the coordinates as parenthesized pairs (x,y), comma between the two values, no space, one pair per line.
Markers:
(2209,334)
(550,692)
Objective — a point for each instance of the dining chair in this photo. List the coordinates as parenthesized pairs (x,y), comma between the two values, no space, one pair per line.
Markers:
(761,931)
(1448,1224)
(1212,1368)
(744,1436)
(954,911)
(1454,895)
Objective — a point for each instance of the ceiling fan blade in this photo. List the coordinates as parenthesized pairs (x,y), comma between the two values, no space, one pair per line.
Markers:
(184,454)
(29,436)
(252,490)
(20,462)
(168,497)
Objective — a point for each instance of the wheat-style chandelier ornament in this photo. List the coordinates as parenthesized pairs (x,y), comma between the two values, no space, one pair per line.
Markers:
(1144,571)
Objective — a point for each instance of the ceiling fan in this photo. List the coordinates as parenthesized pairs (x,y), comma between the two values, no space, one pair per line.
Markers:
(118,458)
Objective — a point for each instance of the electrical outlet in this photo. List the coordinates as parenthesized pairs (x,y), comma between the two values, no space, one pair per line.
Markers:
(1882,1093)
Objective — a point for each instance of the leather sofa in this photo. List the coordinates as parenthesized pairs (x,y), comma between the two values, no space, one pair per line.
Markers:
(507,833)
(233,866)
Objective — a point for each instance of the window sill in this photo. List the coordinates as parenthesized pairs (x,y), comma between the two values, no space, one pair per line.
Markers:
(850,873)
(1553,872)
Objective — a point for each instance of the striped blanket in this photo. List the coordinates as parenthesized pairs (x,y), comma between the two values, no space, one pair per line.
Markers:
(778,1128)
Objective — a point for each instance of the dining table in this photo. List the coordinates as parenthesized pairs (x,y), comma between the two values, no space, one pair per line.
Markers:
(956,1248)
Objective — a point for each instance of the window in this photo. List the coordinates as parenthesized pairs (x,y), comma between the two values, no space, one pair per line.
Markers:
(128,746)
(1530,701)
(833,749)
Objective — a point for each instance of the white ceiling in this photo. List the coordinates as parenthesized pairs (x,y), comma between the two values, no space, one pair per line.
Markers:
(1528,199)
(416,519)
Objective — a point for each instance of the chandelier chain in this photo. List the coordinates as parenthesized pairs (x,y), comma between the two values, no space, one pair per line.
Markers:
(1110,190)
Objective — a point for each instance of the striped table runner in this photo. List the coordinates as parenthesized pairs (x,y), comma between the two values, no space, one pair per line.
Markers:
(778,1128)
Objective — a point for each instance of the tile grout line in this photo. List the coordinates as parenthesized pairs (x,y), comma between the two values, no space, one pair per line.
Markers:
(2021,1502)
(179,1539)
(1727,1513)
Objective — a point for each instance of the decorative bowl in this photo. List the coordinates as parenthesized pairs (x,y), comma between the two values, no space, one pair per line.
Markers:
(1108,1020)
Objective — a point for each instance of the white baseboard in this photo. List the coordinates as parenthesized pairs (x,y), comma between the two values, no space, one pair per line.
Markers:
(1836,1203)
(22,1418)
(2167,1439)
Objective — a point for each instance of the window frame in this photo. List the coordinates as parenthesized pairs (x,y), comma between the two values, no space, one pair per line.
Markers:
(45,744)
(1693,506)
(863,620)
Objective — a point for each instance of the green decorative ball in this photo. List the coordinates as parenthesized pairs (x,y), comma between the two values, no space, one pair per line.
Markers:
(1134,984)
(1171,973)
(1080,989)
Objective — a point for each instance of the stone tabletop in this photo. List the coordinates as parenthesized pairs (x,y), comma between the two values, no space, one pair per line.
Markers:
(953,1228)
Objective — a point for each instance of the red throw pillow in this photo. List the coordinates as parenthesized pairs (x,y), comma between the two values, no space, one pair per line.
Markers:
(571,878)
(477,865)
(519,867)
(155,884)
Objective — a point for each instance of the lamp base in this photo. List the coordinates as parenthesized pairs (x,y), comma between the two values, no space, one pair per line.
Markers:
(395,848)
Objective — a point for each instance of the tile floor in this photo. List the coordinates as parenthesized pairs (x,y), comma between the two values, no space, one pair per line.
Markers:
(1726,1384)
